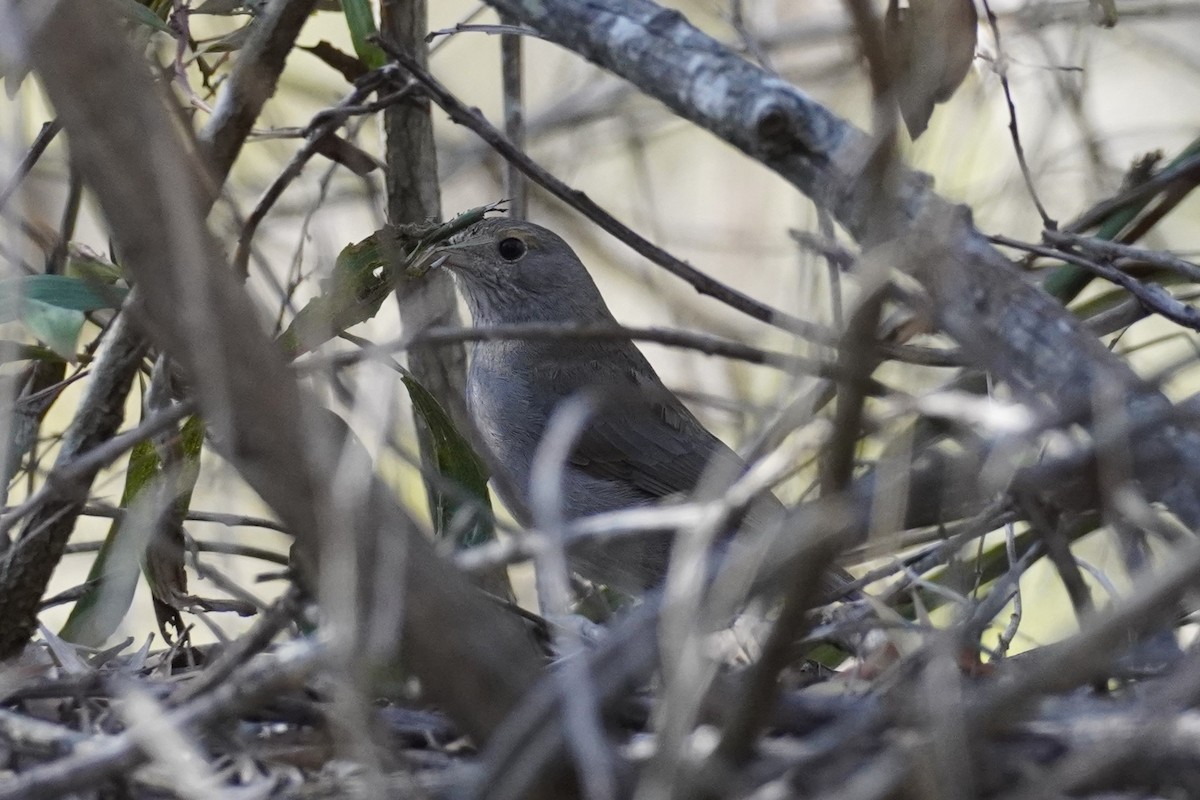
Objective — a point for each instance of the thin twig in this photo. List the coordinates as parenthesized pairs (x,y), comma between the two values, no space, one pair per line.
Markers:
(1001,66)
(590,749)
(471,118)
(1014,620)
(43,139)
(1187,168)
(281,614)
(704,343)
(1122,255)
(221,518)
(322,125)
(515,187)
(709,345)
(491,30)
(64,479)
(1151,295)
(252,82)
(222,548)
(105,756)
(737,20)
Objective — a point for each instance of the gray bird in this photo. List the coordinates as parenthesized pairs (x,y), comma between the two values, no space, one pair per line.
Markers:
(640,446)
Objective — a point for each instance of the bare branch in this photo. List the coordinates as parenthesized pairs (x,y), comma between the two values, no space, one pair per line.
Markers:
(252,83)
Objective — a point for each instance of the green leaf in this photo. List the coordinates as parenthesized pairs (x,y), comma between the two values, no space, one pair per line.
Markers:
(1067,281)
(353,294)
(51,306)
(163,558)
(469,521)
(63,291)
(361,21)
(363,275)
(131,9)
(57,327)
(463,516)
(114,572)
(113,575)
(84,264)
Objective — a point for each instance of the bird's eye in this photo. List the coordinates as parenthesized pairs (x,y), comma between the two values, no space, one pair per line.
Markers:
(511,249)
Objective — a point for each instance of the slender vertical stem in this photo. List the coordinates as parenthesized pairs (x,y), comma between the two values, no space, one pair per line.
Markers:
(515,186)
(413,197)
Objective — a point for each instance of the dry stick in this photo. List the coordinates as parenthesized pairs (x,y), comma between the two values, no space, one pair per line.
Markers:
(32,736)
(1139,731)
(702,283)
(296,275)
(1058,547)
(938,554)
(66,229)
(251,83)
(414,198)
(531,741)
(281,614)
(857,360)
(1152,295)
(221,548)
(1089,654)
(1118,253)
(1128,312)
(45,136)
(75,475)
(322,125)
(592,756)
(1142,191)
(491,30)
(1001,65)
(703,343)
(1004,589)
(221,518)
(105,756)
(1171,198)
(515,188)
(737,20)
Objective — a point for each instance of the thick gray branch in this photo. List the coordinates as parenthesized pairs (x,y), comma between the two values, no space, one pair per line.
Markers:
(1003,324)
(252,82)
(27,565)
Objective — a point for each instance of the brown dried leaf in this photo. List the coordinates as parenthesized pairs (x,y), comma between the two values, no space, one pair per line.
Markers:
(930,44)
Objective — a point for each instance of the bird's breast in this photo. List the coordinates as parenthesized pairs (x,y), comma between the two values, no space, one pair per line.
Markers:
(509,406)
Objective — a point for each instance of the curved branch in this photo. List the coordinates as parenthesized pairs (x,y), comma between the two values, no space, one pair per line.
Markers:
(1004,325)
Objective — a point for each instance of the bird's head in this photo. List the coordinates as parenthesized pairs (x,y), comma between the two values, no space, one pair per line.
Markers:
(513,272)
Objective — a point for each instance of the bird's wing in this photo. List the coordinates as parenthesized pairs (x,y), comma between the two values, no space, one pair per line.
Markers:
(654,445)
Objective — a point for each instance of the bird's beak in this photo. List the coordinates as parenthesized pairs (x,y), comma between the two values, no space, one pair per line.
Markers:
(444,255)
(434,261)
